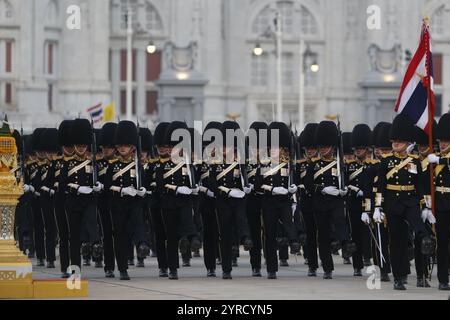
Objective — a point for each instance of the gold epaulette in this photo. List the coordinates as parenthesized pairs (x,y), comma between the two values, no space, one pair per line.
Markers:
(372,161)
(99,157)
(301,161)
(30,162)
(153,160)
(111,161)
(315,159)
(58,158)
(68,158)
(387,155)
(414,156)
(349,161)
(164,160)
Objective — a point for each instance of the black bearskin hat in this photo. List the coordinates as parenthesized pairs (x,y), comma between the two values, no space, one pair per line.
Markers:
(284,135)
(257,127)
(376,132)
(49,140)
(108,134)
(421,137)
(213,125)
(146,139)
(81,132)
(361,136)
(443,129)
(402,128)
(126,133)
(171,128)
(347,142)
(36,139)
(64,138)
(383,137)
(307,137)
(160,131)
(327,134)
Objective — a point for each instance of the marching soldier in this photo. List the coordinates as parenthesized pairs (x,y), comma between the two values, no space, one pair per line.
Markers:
(306,198)
(76,180)
(229,188)
(322,180)
(207,203)
(255,197)
(273,180)
(382,145)
(349,158)
(155,208)
(174,184)
(108,151)
(361,137)
(442,183)
(122,182)
(399,196)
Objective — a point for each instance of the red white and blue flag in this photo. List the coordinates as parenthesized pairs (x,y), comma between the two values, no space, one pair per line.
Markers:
(96,113)
(416,99)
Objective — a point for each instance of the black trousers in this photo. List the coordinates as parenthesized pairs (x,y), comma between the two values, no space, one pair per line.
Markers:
(178,222)
(159,235)
(276,211)
(210,232)
(386,268)
(400,218)
(254,217)
(48,213)
(442,235)
(38,228)
(24,219)
(283,250)
(311,237)
(359,229)
(230,214)
(63,231)
(107,232)
(330,223)
(81,210)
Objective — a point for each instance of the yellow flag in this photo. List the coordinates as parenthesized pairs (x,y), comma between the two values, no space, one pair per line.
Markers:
(109,113)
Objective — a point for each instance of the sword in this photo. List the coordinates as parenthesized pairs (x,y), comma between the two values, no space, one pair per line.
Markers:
(379,247)
(376,243)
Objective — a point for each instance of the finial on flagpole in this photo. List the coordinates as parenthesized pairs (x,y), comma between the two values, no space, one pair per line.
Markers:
(426,20)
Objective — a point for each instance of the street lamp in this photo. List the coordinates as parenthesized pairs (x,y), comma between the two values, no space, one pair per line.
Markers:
(151,48)
(305,56)
(258,51)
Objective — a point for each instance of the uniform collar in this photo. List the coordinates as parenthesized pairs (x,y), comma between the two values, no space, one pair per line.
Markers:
(121,159)
(399,156)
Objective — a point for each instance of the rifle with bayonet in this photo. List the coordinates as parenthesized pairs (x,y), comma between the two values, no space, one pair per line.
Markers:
(22,156)
(138,162)
(94,155)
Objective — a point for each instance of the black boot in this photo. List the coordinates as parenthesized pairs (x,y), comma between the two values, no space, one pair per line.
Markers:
(97,251)
(256,273)
(404,280)
(184,245)
(367,262)
(109,274)
(50,265)
(347,261)
(143,251)
(173,274)
(248,244)
(195,244)
(422,283)
(398,285)
(385,277)
(211,273)
(40,263)
(284,263)
(99,264)
(124,275)
(226,276)
(65,275)
(140,263)
(444,286)
(357,273)
(131,262)
(271,275)
(86,261)
(295,248)
(163,273)
(186,262)
(234,263)
(196,254)
(328,275)
(312,272)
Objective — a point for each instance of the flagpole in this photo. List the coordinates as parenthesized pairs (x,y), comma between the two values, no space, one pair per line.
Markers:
(430,112)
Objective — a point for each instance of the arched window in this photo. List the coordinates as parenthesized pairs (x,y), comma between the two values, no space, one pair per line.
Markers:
(52,12)
(152,18)
(6,10)
(126,5)
(296,19)
(437,26)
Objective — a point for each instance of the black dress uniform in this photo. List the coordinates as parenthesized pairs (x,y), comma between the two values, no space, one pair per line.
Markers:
(226,181)
(35,181)
(399,194)
(107,136)
(208,209)
(329,213)
(174,186)
(50,141)
(254,205)
(380,140)
(76,182)
(125,199)
(155,207)
(442,203)
(306,199)
(361,137)
(272,179)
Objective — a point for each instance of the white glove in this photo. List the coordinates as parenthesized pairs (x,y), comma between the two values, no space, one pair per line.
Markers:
(294,207)
(98,186)
(52,192)
(37,194)
(343,193)
(425,213)
(432,158)
(365,218)
(280,191)
(141,192)
(293,188)
(360,194)
(410,148)
(331,191)
(184,190)
(45,189)
(84,190)
(32,188)
(378,215)
(430,217)
(236,193)
(129,191)
(210,194)
(195,190)
(248,189)
(26,188)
